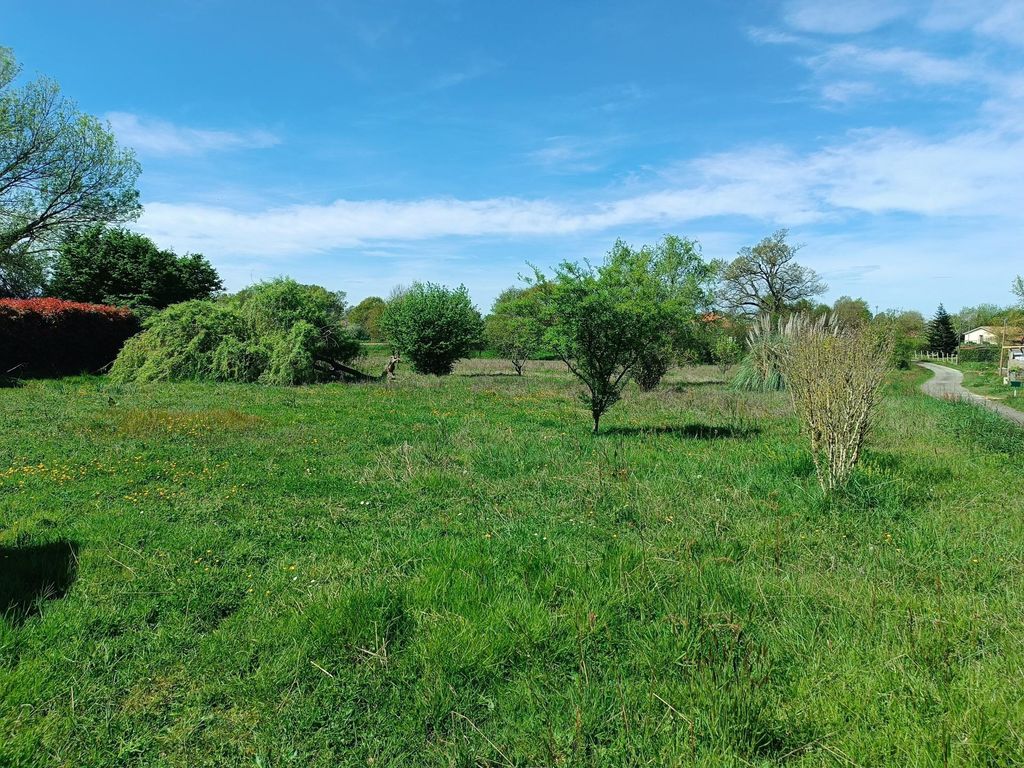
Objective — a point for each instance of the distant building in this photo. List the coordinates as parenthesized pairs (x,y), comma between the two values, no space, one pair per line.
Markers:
(993,334)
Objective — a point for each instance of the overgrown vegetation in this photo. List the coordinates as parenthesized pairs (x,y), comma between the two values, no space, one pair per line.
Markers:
(276,332)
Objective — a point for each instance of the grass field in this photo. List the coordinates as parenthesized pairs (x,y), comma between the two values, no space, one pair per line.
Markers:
(454,572)
(984,379)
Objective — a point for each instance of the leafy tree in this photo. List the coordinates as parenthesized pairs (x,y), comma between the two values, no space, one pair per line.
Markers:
(764,279)
(682,283)
(275,332)
(851,313)
(60,171)
(608,321)
(1018,289)
(366,315)
(727,352)
(942,337)
(116,266)
(515,327)
(982,314)
(909,323)
(433,326)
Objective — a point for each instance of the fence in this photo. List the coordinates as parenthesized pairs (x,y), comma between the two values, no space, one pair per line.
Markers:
(955,356)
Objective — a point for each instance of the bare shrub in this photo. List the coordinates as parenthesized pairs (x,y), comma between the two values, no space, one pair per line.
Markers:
(834,376)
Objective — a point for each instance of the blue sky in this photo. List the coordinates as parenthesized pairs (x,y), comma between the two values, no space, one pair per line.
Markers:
(365,145)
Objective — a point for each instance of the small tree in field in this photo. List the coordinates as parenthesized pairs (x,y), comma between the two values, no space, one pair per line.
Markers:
(726,351)
(433,326)
(679,279)
(834,377)
(605,321)
(514,328)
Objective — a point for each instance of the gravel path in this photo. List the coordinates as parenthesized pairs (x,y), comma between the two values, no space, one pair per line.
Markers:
(948,383)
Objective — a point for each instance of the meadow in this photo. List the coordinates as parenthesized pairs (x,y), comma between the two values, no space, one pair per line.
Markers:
(454,572)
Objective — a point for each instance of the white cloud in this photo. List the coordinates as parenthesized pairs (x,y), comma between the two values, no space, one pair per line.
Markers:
(160,137)
(914,66)
(842,18)
(973,174)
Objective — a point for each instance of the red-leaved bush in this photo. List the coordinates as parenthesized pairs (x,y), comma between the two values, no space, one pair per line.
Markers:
(52,337)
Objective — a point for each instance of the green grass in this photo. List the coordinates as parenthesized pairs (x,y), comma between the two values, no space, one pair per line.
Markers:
(983,379)
(454,572)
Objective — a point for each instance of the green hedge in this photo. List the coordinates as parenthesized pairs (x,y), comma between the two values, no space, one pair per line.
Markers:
(986,353)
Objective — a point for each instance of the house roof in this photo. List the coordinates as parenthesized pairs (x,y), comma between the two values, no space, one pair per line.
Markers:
(998,330)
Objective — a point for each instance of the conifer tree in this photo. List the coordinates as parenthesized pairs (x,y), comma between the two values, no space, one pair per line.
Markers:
(942,337)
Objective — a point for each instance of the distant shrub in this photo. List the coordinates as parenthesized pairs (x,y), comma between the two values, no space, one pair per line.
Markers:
(51,337)
(985,353)
(277,332)
(653,364)
(515,328)
(726,352)
(433,326)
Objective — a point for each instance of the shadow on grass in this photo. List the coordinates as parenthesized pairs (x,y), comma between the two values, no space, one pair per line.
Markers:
(30,574)
(688,431)
(495,375)
(9,382)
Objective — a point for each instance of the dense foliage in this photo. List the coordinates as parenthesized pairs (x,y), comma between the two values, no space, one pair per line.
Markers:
(432,326)
(364,318)
(276,332)
(49,337)
(116,266)
(60,171)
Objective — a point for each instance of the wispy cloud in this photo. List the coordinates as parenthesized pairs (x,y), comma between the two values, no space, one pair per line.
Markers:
(567,154)
(917,67)
(842,18)
(846,91)
(457,77)
(160,137)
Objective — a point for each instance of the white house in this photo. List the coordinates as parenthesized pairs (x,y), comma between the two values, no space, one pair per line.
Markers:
(993,334)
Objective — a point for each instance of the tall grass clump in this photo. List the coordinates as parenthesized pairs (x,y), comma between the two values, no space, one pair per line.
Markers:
(759,369)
